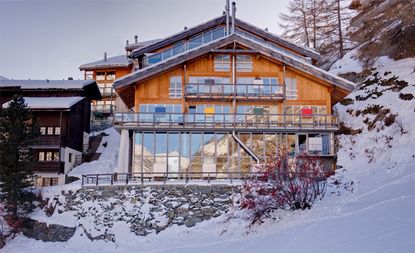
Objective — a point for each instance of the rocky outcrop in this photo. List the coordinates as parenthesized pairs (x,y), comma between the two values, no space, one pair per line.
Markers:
(47,233)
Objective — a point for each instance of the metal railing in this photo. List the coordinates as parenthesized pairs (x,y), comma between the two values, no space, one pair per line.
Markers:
(182,177)
(49,140)
(226,120)
(242,91)
(106,91)
(103,108)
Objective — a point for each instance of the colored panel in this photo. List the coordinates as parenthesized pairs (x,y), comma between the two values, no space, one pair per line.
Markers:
(209,110)
(306,112)
(258,110)
(160,109)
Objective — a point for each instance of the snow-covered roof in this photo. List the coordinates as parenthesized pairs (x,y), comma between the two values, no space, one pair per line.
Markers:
(3,78)
(46,84)
(49,102)
(119,61)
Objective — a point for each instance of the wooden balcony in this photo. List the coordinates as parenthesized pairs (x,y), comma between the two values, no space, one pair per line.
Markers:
(226,121)
(49,166)
(49,140)
(250,92)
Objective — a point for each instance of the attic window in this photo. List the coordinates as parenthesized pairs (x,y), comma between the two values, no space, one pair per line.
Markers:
(243,63)
(222,63)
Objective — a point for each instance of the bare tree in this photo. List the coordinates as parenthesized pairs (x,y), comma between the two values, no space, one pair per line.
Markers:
(295,24)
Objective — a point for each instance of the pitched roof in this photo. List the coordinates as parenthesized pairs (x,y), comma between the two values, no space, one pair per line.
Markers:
(263,49)
(119,61)
(49,102)
(46,84)
(218,21)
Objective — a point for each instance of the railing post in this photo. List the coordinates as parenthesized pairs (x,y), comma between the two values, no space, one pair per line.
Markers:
(96,182)
(82,181)
(126,178)
(112,179)
(208,177)
(325,120)
(299,120)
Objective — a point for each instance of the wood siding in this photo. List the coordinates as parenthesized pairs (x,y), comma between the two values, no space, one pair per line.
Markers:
(311,91)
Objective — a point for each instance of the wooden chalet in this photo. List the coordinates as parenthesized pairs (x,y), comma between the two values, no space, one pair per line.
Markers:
(218,97)
(62,111)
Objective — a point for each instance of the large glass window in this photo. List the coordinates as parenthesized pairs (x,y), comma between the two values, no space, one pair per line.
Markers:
(291,88)
(100,76)
(222,63)
(175,90)
(244,63)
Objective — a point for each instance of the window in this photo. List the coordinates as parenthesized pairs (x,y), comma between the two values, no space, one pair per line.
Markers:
(49,156)
(55,156)
(46,181)
(70,157)
(57,130)
(222,63)
(41,156)
(50,130)
(111,75)
(175,90)
(100,76)
(89,75)
(291,88)
(243,63)
(42,130)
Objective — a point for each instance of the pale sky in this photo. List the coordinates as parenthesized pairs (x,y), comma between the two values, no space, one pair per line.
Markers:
(50,39)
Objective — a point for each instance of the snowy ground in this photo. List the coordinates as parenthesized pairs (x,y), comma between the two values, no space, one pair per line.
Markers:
(372,210)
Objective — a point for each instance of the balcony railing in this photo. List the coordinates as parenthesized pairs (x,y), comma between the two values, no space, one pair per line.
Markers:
(103,108)
(48,140)
(226,121)
(239,91)
(49,166)
(106,91)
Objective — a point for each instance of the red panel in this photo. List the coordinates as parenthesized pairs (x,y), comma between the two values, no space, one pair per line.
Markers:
(306,112)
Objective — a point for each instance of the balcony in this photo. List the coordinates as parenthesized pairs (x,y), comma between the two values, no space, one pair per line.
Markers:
(49,166)
(231,91)
(48,140)
(221,121)
(106,91)
(104,109)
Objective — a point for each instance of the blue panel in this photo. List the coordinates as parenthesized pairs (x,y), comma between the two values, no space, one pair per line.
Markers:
(160,109)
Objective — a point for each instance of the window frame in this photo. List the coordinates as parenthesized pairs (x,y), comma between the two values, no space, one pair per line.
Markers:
(244,63)
(222,63)
(175,87)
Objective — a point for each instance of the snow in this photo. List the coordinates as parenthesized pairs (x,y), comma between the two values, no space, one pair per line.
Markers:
(349,63)
(370,210)
(49,102)
(46,84)
(107,160)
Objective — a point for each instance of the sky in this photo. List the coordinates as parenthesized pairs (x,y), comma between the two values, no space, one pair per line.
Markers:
(50,39)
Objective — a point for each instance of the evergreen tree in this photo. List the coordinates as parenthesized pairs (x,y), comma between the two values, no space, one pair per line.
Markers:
(17,131)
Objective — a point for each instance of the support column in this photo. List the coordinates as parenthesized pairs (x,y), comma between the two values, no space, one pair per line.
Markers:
(124,152)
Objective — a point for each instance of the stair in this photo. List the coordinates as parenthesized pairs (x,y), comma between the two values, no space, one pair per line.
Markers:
(91,153)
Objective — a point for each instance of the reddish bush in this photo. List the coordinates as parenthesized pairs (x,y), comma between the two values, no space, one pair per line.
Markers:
(284,182)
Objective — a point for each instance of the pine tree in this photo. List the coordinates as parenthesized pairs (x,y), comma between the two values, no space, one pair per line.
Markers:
(17,130)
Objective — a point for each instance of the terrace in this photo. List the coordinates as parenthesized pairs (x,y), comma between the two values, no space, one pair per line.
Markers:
(232,121)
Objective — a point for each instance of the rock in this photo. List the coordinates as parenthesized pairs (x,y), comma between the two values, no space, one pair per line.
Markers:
(192,222)
(52,233)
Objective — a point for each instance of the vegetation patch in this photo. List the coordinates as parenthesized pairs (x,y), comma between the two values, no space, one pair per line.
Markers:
(406,96)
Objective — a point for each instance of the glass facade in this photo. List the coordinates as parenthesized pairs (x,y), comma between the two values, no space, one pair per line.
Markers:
(195,154)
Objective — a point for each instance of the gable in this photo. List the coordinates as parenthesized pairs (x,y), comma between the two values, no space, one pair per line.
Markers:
(124,86)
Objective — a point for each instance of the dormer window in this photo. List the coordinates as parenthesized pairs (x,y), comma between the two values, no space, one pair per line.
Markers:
(222,63)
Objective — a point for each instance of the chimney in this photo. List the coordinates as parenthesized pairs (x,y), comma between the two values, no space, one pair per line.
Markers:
(136,39)
(227,16)
(185,28)
(105,56)
(70,78)
(127,42)
(233,16)
(266,29)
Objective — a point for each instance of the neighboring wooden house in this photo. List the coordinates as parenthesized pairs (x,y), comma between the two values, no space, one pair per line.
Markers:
(220,96)
(62,111)
(104,72)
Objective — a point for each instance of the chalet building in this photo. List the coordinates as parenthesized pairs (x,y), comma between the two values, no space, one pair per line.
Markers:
(104,72)
(62,111)
(218,97)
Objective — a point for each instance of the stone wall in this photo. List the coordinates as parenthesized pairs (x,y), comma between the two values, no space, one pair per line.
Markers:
(146,209)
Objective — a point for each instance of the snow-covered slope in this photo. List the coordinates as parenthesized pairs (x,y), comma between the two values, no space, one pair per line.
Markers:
(368,208)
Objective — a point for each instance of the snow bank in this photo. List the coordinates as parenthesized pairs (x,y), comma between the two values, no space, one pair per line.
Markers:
(108,159)
(349,63)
